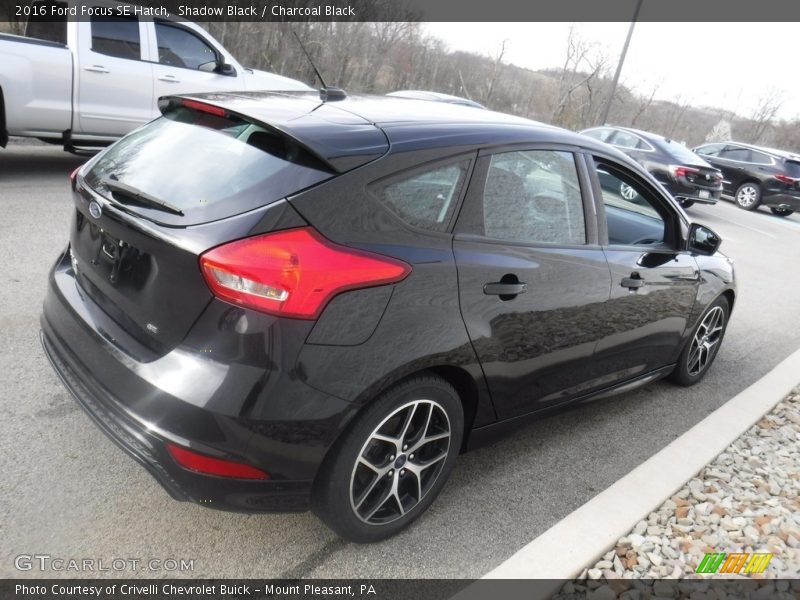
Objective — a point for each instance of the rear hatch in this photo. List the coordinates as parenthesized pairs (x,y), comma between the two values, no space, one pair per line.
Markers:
(151,204)
(697,172)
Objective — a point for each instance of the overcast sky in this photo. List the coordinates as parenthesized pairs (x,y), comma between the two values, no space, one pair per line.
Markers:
(730,65)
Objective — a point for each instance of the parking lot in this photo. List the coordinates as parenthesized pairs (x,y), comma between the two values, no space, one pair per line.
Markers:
(69,492)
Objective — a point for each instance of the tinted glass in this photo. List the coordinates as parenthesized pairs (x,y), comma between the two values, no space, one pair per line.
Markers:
(710,149)
(625,139)
(48,27)
(180,48)
(760,158)
(740,154)
(599,134)
(116,36)
(792,168)
(680,152)
(424,199)
(632,214)
(534,196)
(207,166)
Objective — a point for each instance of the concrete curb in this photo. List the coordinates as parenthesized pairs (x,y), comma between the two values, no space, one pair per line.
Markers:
(583,536)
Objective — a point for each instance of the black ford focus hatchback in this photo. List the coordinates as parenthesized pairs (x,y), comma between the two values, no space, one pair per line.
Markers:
(276,303)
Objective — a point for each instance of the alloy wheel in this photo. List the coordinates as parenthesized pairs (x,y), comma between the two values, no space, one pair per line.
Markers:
(706,337)
(747,196)
(400,462)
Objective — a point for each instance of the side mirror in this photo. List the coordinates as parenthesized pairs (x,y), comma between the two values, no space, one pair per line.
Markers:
(224,68)
(702,240)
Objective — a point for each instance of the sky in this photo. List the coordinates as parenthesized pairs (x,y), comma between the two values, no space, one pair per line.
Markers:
(728,65)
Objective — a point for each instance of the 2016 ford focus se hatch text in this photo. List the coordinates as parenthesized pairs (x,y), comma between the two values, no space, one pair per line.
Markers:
(277,303)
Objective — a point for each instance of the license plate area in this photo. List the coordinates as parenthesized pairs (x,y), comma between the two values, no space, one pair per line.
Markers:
(703,194)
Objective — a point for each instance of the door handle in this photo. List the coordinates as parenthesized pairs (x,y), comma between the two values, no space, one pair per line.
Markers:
(499,288)
(169,79)
(633,282)
(96,69)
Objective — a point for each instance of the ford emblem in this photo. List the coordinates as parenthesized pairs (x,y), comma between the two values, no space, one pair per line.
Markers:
(95,210)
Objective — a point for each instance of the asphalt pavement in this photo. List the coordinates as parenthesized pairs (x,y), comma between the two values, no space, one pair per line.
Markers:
(69,492)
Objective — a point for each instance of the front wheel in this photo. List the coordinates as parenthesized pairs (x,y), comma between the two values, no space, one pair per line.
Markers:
(687,203)
(702,348)
(393,462)
(748,196)
(781,212)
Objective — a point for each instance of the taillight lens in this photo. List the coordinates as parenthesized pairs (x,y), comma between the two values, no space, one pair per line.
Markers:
(73,177)
(208,465)
(785,179)
(293,273)
(681,171)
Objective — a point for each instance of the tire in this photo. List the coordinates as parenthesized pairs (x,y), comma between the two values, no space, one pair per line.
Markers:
(781,212)
(687,203)
(748,195)
(364,481)
(688,372)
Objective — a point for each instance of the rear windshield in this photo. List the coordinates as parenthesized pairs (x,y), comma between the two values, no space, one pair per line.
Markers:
(793,169)
(681,152)
(205,166)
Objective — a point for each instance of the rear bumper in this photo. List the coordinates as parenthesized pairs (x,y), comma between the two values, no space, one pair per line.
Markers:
(692,193)
(781,200)
(141,417)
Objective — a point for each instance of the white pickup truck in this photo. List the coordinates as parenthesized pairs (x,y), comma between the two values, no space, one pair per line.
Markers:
(84,81)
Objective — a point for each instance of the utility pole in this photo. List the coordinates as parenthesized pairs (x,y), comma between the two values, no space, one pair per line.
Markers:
(620,63)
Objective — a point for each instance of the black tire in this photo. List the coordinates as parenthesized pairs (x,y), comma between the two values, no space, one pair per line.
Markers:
(748,195)
(346,484)
(781,212)
(687,203)
(686,373)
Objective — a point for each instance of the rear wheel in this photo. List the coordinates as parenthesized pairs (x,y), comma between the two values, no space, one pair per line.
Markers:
(390,466)
(748,196)
(781,212)
(703,346)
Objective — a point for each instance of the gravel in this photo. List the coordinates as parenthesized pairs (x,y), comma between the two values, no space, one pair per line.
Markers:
(746,500)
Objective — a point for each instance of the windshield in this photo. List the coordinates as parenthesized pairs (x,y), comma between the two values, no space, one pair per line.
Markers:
(205,166)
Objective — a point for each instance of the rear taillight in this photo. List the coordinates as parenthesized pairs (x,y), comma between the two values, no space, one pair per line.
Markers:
(208,465)
(785,179)
(293,273)
(73,177)
(681,171)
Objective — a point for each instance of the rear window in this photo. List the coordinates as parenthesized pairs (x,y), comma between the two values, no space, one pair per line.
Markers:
(680,152)
(206,166)
(792,168)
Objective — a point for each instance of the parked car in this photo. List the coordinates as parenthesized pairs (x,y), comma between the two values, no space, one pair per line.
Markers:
(88,82)
(754,175)
(435,97)
(683,173)
(275,303)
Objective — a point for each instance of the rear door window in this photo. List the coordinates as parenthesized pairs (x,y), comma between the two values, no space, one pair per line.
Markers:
(734,153)
(116,36)
(534,197)
(204,165)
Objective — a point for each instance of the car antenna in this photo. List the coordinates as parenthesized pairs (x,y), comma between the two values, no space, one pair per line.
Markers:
(326,92)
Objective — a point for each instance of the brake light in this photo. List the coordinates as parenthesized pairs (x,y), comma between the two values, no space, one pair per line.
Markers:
(293,273)
(785,179)
(73,177)
(194,461)
(680,171)
(203,107)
